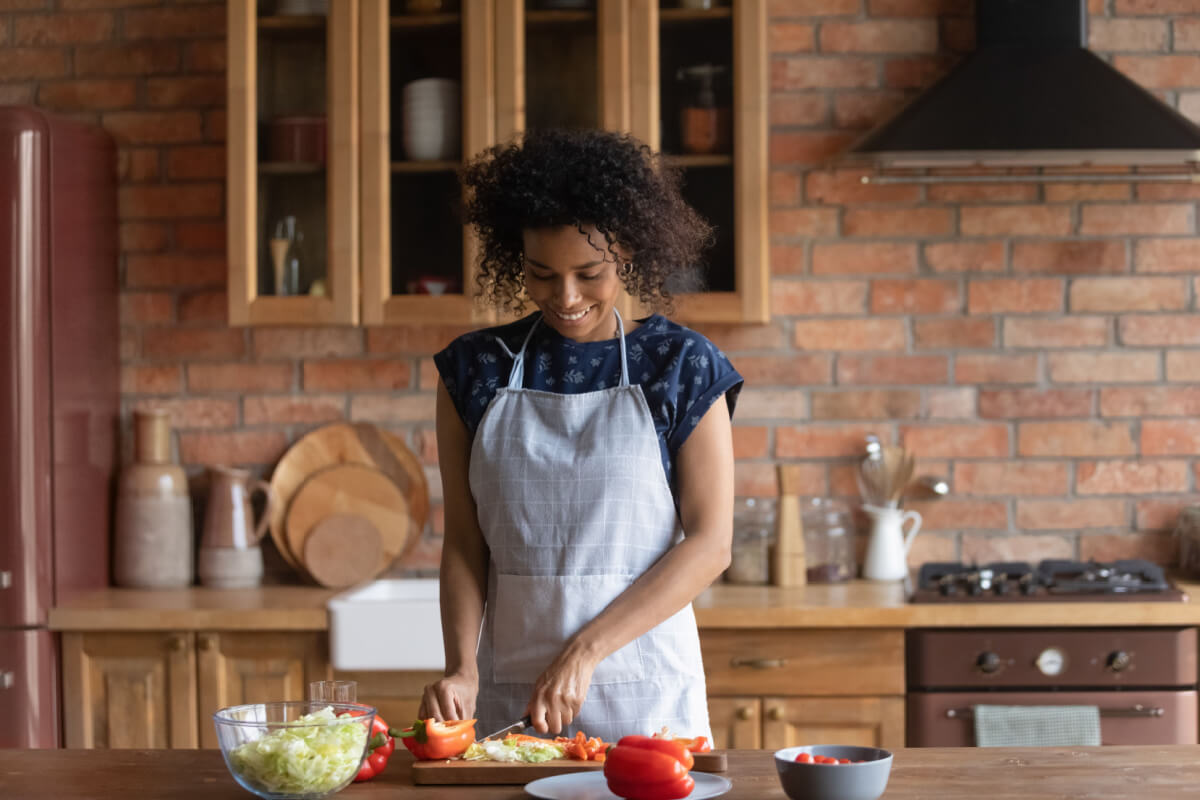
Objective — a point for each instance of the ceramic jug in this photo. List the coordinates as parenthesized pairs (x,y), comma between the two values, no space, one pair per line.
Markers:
(229,553)
(887,549)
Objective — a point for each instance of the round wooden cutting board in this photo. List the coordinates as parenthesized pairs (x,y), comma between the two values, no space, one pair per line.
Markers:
(343,550)
(340,443)
(349,489)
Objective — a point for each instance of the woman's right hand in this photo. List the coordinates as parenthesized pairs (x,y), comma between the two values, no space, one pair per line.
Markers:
(452,697)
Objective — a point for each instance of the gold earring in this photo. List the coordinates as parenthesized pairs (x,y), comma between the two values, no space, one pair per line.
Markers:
(627,269)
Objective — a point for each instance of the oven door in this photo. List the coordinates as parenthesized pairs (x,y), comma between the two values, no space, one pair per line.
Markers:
(944,719)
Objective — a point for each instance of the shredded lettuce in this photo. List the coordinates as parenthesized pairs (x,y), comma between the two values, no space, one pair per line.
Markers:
(303,758)
(514,749)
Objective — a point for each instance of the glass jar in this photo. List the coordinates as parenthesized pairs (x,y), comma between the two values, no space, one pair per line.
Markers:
(753,527)
(828,540)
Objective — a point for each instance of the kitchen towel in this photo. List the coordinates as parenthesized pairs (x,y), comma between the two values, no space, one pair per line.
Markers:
(1036,726)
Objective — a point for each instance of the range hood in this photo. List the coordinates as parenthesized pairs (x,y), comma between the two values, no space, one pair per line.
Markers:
(1033,95)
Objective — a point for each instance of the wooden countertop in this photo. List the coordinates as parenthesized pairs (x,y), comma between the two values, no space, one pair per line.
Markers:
(966,773)
(857,604)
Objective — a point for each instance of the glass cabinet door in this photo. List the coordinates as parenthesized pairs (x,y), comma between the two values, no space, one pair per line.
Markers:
(292,187)
(427,105)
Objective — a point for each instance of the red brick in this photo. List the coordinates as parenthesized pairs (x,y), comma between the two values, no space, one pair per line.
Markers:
(1185,34)
(812,8)
(417,340)
(1001,478)
(878,404)
(145,308)
(1079,192)
(995,369)
(898,222)
(24,5)
(170,23)
(153,127)
(1072,514)
(425,442)
(784,188)
(195,413)
(749,442)
(1156,546)
(803,222)
(202,161)
(984,549)
(797,370)
(292,409)
(956,514)
(429,378)
(1015,220)
(142,237)
(209,236)
(307,342)
(892,369)
(393,407)
(844,258)
(967,440)
(771,404)
(139,164)
(1150,401)
(1074,439)
(1127,35)
(755,479)
(62,28)
(17,94)
(823,72)
(160,379)
(842,187)
(1170,437)
(204,307)
(806,147)
(1166,191)
(1183,365)
(1021,295)
(234,377)
(87,95)
(849,334)
(348,375)
(166,269)
(1025,403)
(820,441)
(732,338)
(954,333)
(818,297)
(1159,329)
(1131,477)
(890,36)
(957,402)
(188,343)
(1089,367)
(1058,332)
(18,63)
(1161,71)
(916,72)
(918,8)
(983,193)
(788,259)
(1162,513)
(137,60)
(1166,255)
(161,202)
(865,109)
(204,57)
(129,343)
(1128,294)
(920,296)
(806,109)
(234,448)
(790,37)
(1139,219)
(1070,257)
(965,256)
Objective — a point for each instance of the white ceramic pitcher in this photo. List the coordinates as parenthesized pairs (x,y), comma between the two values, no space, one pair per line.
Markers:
(887,549)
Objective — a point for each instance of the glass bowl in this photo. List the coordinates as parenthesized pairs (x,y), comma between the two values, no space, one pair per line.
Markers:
(864,779)
(299,750)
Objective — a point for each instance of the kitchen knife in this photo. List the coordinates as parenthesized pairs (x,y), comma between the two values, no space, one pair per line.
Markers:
(520,725)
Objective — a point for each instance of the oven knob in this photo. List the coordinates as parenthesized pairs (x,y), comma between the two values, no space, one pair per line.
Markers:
(987,662)
(1051,661)
(1118,660)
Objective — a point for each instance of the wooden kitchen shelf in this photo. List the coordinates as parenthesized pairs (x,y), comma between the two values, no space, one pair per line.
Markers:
(669,15)
(409,21)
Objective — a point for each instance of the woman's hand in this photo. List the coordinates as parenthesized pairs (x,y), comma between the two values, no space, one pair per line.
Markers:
(561,689)
(452,697)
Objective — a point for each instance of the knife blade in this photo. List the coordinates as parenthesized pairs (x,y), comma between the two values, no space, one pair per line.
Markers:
(521,724)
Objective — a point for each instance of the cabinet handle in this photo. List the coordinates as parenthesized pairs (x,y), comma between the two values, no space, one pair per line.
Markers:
(7,679)
(745,712)
(207,642)
(776,713)
(178,643)
(758,663)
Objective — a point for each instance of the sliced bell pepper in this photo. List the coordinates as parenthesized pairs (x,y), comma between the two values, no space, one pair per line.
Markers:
(382,746)
(430,740)
(645,768)
(698,744)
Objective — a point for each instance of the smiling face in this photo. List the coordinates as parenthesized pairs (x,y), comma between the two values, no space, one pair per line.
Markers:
(573,281)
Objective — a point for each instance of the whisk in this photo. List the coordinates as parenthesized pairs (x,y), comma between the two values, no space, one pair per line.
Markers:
(884,474)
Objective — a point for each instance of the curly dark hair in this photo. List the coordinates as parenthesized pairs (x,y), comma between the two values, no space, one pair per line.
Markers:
(609,180)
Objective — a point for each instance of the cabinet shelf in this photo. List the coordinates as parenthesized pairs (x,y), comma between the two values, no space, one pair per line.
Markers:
(309,24)
(290,168)
(425,166)
(687,161)
(559,17)
(694,14)
(410,21)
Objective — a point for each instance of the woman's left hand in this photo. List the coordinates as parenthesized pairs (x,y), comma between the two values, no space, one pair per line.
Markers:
(560,690)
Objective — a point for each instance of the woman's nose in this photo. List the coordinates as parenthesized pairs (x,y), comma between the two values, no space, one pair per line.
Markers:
(568,291)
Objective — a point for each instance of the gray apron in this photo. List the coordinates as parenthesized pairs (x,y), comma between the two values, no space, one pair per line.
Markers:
(574,505)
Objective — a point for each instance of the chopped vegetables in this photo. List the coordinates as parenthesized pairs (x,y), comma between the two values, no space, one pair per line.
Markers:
(529,749)
(582,748)
(312,755)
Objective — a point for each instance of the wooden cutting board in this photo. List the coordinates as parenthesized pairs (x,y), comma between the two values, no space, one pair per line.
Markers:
(343,550)
(513,772)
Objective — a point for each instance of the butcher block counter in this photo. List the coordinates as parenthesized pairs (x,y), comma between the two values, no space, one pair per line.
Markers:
(1110,773)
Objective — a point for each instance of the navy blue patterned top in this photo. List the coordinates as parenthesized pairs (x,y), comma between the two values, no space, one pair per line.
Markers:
(681,372)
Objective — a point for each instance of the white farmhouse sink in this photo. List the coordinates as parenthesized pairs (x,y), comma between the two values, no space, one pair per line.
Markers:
(389,624)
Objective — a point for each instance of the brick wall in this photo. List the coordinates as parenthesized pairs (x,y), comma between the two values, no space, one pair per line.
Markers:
(1036,343)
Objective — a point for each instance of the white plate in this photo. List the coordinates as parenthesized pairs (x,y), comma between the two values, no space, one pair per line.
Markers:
(592,786)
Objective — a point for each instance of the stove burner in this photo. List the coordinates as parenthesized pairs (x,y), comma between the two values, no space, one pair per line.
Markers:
(1049,579)
(1120,576)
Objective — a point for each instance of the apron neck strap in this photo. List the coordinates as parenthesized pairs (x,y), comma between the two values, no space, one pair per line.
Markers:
(516,377)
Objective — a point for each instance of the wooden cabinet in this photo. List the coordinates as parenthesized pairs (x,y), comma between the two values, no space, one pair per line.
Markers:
(159,690)
(776,688)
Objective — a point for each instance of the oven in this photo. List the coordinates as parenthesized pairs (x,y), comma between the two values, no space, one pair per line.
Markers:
(1142,680)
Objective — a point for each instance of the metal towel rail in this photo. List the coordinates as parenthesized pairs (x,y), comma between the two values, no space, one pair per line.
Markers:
(1138,710)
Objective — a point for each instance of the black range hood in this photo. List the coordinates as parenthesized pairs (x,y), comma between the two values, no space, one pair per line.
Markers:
(1033,95)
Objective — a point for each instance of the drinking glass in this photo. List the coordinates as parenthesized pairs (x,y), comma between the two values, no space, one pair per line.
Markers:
(333,691)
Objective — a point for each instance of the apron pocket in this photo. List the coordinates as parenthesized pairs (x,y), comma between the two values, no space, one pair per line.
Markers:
(536,614)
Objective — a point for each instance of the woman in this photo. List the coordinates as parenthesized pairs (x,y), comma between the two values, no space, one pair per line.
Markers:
(574,444)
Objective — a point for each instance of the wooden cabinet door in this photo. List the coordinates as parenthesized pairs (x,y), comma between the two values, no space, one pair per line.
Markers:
(736,722)
(256,667)
(129,690)
(866,721)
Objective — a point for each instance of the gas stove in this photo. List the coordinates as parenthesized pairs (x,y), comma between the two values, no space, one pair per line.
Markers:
(1049,580)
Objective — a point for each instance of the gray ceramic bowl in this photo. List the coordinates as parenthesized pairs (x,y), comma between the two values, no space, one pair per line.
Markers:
(865,781)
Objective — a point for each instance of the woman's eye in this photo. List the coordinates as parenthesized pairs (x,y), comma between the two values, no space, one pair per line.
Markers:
(591,277)
(537,277)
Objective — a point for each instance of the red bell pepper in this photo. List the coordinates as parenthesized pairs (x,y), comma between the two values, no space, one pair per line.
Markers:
(645,768)
(382,745)
(698,744)
(430,740)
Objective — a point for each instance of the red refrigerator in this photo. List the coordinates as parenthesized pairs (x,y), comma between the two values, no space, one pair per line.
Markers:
(59,397)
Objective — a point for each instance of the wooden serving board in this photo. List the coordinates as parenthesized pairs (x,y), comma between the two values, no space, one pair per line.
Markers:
(517,772)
